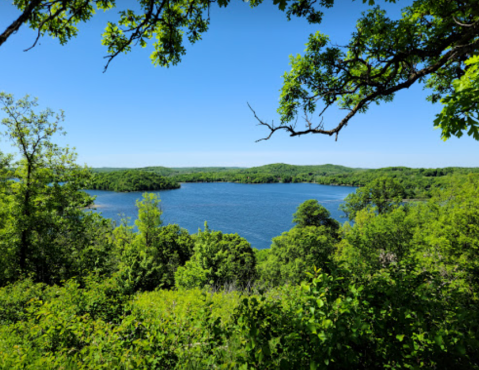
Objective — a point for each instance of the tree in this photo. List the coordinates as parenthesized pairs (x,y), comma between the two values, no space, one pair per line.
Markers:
(382,239)
(294,253)
(44,231)
(435,42)
(383,194)
(166,21)
(311,213)
(149,218)
(150,258)
(218,259)
(451,234)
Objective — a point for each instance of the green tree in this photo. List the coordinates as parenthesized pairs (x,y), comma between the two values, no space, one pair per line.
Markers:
(382,194)
(168,23)
(311,213)
(149,259)
(44,231)
(218,259)
(434,42)
(294,253)
(451,234)
(382,239)
(149,218)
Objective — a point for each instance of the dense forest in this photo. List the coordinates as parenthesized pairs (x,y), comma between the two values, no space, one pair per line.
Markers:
(397,288)
(418,183)
(130,180)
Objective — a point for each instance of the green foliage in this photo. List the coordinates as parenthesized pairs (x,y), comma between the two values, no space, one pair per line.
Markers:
(311,213)
(218,259)
(98,327)
(149,259)
(132,180)
(149,217)
(397,289)
(461,106)
(418,183)
(384,56)
(383,195)
(451,234)
(296,252)
(44,231)
(384,239)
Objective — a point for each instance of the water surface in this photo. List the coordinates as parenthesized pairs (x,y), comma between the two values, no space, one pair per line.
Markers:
(257,212)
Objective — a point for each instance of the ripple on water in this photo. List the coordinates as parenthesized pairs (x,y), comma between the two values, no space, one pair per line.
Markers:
(257,212)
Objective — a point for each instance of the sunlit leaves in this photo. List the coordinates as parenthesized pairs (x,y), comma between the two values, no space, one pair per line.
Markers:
(461,107)
(385,56)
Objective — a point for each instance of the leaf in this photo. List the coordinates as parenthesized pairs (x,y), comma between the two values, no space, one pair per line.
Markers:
(282,4)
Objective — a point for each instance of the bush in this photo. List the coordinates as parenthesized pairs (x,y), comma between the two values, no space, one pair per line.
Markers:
(218,259)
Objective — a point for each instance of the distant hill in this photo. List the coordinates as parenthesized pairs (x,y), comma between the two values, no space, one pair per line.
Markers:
(269,168)
(417,182)
(169,171)
(109,169)
(292,170)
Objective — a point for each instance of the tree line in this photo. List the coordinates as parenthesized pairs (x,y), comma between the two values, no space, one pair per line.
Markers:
(418,183)
(130,180)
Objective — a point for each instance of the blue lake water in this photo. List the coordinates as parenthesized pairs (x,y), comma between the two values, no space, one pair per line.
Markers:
(257,212)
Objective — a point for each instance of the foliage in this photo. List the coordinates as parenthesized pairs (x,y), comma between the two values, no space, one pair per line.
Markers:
(168,24)
(132,180)
(218,259)
(386,238)
(461,106)
(451,233)
(396,289)
(45,232)
(417,182)
(383,195)
(311,213)
(149,259)
(98,327)
(295,253)
(396,319)
(385,56)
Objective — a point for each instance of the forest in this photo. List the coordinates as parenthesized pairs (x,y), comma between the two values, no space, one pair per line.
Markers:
(418,183)
(395,288)
(130,180)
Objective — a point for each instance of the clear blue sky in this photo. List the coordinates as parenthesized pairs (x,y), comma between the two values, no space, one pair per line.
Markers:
(196,114)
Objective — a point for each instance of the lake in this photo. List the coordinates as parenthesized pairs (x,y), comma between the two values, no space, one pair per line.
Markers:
(257,212)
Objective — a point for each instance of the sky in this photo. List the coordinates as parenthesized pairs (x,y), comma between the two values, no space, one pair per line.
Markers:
(196,113)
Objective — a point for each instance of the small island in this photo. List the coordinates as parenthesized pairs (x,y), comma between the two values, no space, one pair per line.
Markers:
(131,180)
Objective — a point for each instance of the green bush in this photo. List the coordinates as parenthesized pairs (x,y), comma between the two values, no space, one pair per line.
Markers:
(296,252)
(218,259)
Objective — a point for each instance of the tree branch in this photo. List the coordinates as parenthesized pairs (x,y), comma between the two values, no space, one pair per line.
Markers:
(19,21)
(467,43)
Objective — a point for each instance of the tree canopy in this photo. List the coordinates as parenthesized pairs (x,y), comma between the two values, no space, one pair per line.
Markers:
(311,213)
(45,232)
(435,43)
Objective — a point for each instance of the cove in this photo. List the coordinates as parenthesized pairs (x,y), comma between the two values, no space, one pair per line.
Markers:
(257,212)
